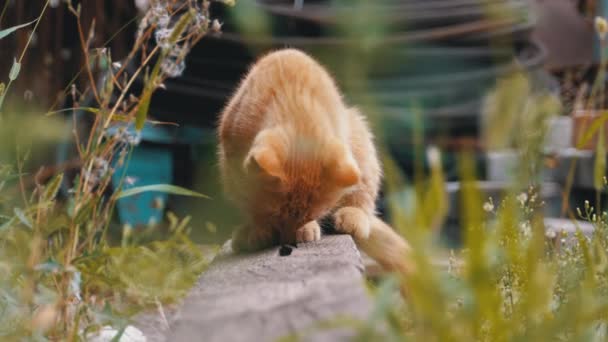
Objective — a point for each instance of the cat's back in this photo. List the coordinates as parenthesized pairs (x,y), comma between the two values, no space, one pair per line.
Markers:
(290,72)
(283,86)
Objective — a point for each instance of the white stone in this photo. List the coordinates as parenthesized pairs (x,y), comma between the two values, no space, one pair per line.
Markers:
(107,334)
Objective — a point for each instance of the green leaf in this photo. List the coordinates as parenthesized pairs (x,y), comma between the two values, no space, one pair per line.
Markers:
(142,111)
(7,224)
(53,187)
(15,69)
(85,211)
(85,109)
(599,167)
(166,188)
(21,216)
(6,32)
(592,129)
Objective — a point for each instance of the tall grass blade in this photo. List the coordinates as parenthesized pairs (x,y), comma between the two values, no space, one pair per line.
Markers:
(166,188)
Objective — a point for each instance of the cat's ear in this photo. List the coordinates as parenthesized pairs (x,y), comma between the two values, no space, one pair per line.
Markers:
(341,166)
(266,155)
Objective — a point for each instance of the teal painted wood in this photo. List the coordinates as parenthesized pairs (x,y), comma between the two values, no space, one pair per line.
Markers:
(165,134)
(147,165)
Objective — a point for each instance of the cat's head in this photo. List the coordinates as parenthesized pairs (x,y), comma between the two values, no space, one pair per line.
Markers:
(297,179)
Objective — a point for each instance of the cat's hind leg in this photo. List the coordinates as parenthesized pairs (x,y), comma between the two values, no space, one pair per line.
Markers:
(375,238)
(353,221)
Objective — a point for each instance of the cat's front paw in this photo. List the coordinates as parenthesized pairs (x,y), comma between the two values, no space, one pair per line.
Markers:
(352,221)
(308,232)
(247,239)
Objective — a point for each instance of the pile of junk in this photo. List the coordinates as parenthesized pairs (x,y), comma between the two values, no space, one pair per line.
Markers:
(420,69)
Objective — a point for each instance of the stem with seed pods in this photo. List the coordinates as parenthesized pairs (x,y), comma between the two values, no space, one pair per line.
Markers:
(29,40)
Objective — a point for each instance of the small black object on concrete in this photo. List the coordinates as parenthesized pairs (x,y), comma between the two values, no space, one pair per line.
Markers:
(285,250)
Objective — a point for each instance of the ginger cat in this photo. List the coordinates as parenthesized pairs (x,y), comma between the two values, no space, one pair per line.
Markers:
(291,152)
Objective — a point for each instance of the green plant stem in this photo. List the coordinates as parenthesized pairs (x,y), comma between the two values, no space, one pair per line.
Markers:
(29,40)
(601,139)
(4,10)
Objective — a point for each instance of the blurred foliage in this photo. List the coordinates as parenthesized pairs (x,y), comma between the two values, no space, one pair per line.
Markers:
(64,275)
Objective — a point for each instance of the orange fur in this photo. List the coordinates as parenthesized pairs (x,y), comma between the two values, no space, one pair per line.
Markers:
(291,152)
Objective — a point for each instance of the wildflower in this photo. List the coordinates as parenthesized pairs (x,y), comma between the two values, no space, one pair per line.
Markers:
(526,229)
(90,177)
(200,19)
(157,11)
(200,24)
(162,37)
(216,26)
(125,136)
(551,234)
(522,198)
(434,156)
(130,180)
(101,165)
(488,207)
(601,27)
(173,67)
(163,20)
(134,139)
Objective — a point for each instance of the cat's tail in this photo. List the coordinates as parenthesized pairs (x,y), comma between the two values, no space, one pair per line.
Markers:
(387,248)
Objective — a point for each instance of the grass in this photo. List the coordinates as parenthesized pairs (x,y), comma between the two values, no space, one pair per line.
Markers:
(67,274)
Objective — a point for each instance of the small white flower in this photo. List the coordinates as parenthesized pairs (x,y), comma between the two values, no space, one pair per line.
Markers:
(551,234)
(526,229)
(162,37)
(434,156)
(172,68)
(522,198)
(488,207)
(216,26)
(130,180)
(134,139)
(163,20)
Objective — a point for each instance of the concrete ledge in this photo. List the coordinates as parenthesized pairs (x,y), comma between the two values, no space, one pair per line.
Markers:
(264,296)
